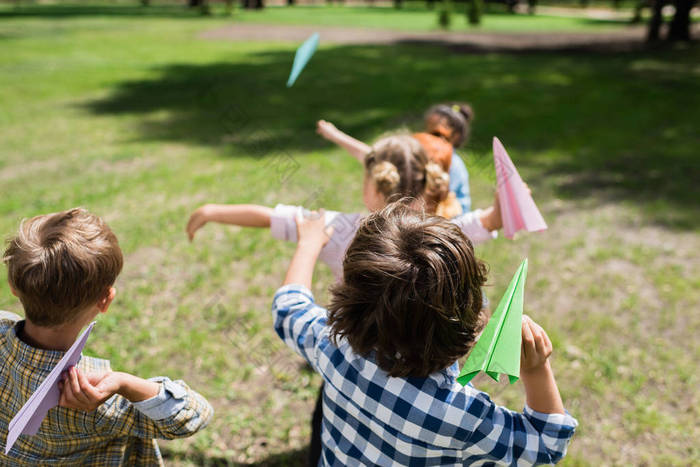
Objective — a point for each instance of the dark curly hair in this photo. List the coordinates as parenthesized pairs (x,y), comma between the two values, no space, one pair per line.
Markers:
(410,294)
(451,121)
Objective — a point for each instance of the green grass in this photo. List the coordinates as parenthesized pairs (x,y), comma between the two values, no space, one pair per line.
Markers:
(419,19)
(139,121)
(414,17)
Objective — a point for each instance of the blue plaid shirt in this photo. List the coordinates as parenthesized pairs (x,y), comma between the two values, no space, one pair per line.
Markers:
(370,418)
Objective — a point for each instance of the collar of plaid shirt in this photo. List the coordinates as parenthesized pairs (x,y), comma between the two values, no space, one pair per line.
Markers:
(22,369)
(38,359)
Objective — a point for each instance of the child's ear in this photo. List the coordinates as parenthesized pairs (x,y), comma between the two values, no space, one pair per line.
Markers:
(14,292)
(103,304)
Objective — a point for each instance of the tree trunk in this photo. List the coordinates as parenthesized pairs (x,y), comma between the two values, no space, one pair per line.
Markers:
(474,11)
(638,8)
(655,21)
(253,4)
(193,3)
(398,4)
(531,5)
(445,14)
(679,30)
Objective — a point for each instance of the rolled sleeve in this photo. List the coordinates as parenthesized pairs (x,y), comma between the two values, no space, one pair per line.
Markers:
(175,412)
(528,438)
(283,224)
(299,322)
(169,401)
(7,315)
(471,225)
(556,429)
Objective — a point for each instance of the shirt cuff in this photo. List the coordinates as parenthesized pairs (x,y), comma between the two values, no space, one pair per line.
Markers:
(169,401)
(291,289)
(283,222)
(560,419)
(8,315)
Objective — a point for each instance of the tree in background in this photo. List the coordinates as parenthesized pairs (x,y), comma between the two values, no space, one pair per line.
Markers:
(253,4)
(445,14)
(531,5)
(638,8)
(679,28)
(656,20)
(202,4)
(475,8)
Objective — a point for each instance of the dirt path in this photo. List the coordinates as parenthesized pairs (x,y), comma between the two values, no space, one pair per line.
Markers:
(625,39)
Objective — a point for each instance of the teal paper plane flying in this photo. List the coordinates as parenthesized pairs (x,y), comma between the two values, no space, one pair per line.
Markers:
(302,57)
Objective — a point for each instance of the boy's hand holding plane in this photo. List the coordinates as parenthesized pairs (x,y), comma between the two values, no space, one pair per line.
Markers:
(536,347)
(89,391)
(312,231)
(313,234)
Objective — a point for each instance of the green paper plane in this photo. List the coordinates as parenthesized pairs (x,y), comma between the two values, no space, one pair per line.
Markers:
(498,349)
(302,57)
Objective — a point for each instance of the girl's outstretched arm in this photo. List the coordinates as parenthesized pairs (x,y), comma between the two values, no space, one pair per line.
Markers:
(355,147)
(244,215)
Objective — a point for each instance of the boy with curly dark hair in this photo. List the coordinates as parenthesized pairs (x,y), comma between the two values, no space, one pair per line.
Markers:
(408,307)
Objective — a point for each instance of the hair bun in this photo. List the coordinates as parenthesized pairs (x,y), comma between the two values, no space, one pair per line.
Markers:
(436,175)
(386,176)
(465,110)
(437,182)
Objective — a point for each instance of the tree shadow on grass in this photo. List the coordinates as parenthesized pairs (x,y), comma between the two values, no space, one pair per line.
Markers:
(49,11)
(587,123)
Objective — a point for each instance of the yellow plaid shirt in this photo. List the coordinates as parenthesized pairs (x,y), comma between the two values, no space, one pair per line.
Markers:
(114,434)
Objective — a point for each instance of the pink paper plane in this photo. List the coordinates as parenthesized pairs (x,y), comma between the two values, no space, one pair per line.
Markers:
(29,418)
(518,209)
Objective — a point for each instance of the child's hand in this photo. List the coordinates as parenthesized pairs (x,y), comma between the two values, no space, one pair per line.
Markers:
(491,217)
(496,219)
(536,346)
(312,230)
(325,129)
(197,220)
(87,392)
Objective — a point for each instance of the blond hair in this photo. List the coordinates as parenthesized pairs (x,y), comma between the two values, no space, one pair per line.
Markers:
(62,263)
(399,167)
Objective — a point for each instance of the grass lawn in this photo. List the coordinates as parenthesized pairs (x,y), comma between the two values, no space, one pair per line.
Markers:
(414,17)
(421,19)
(141,122)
